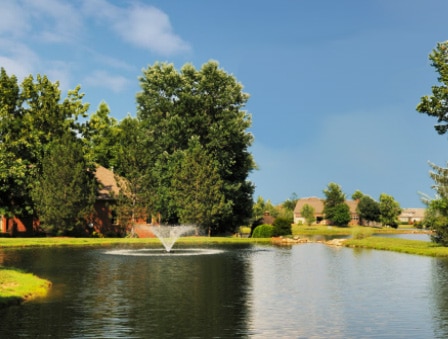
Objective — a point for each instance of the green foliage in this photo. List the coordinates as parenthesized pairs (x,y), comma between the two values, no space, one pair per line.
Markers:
(308,213)
(290,204)
(341,215)
(368,209)
(357,195)
(31,117)
(436,105)
(436,219)
(389,210)
(102,136)
(199,188)
(136,196)
(263,231)
(282,226)
(335,208)
(260,207)
(65,192)
(206,104)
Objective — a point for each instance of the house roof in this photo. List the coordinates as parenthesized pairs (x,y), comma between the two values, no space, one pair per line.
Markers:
(417,213)
(316,203)
(108,187)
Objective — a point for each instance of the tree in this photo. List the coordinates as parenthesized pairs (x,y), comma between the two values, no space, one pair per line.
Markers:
(307,212)
(102,134)
(198,188)
(207,104)
(357,195)
(335,208)
(341,215)
(436,215)
(389,210)
(436,105)
(31,117)
(65,191)
(290,203)
(368,210)
(133,170)
(282,226)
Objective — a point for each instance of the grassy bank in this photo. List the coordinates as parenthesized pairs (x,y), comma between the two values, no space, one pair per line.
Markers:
(17,287)
(399,245)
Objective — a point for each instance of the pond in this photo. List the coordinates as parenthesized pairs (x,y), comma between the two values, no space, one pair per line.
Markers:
(252,291)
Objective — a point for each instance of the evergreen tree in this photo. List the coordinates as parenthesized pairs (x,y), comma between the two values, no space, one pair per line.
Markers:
(65,192)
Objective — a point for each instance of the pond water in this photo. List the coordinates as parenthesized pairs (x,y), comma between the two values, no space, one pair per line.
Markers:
(253,291)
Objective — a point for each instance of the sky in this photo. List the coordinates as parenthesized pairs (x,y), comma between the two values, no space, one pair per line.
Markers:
(333,85)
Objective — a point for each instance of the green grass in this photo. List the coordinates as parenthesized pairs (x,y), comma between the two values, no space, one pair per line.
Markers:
(17,286)
(399,245)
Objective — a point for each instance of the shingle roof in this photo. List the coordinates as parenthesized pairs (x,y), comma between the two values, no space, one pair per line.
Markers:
(108,185)
(316,203)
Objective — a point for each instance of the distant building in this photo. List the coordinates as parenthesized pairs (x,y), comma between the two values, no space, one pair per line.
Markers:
(411,215)
(318,205)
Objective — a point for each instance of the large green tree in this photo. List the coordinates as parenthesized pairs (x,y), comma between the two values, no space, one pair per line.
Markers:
(335,208)
(199,188)
(133,168)
(368,210)
(208,103)
(436,105)
(389,210)
(31,116)
(65,191)
(102,137)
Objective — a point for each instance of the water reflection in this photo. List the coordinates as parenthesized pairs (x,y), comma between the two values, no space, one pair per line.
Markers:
(301,291)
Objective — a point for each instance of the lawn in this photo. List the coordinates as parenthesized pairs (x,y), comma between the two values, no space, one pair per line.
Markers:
(17,286)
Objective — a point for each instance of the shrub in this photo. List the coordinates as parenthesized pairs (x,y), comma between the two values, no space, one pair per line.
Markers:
(282,226)
(263,231)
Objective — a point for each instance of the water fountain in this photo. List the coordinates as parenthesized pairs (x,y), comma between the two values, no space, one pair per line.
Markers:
(168,235)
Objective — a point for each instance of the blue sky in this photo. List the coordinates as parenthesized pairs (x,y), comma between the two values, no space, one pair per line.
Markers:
(333,84)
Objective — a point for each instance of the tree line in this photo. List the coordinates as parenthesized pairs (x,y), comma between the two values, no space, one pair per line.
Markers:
(184,156)
(383,212)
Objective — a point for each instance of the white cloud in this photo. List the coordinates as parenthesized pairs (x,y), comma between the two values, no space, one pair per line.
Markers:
(106,80)
(57,21)
(150,28)
(141,25)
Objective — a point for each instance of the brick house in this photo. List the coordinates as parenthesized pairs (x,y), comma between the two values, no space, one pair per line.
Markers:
(318,205)
(102,220)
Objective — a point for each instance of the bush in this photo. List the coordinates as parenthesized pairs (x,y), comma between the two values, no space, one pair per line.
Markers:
(282,226)
(263,231)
